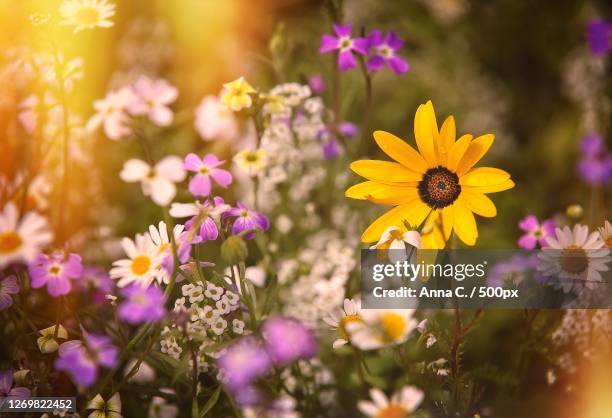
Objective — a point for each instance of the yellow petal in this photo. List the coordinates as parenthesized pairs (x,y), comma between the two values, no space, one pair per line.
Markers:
(448,219)
(384,171)
(426,133)
(448,133)
(465,224)
(478,203)
(400,151)
(507,184)
(484,176)
(384,194)
(477,149)
(457,151)
(413,213)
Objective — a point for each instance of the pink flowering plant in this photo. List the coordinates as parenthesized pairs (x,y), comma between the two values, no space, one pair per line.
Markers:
(176,238)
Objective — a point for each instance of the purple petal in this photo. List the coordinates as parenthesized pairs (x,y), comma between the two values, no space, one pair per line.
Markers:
(527,242)
(375,63)
(343,30)
(328,43)
(10,285)
(5,301)
(548,226)
(222,177)
(209,230)
(398,65)
(346,60)
(529,223)
(242,224)
(200,185)
(331,150)
(348,129)
(192,162)
(262,221)
(375,38)
(360,45)
(393,41)
(59,286)
(20,393)
(6,381)
(211,161)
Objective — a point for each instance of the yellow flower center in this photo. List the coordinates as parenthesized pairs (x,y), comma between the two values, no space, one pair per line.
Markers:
(54,270)
(87,16)
(392,411)
(393,326)
(439,187)
(397,235)
(344,321)
(204,170)
(9,242)
(251,157)
(140,265)
(574,259)
(345,43)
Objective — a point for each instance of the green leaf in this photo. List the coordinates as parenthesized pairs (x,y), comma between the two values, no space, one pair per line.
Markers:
(212,401)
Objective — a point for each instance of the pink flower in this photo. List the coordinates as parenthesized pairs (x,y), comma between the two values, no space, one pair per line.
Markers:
(535,233)
(345,44)
(56,271)
(157,181)
(111,113)
(200,184)
(151,98)
(215,120)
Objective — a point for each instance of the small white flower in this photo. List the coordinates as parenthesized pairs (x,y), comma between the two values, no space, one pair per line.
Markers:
(194,292)
(339,319)
(401,404)
(87,14)
(209,315)
(144,373)
(431,340)
(213,292)
(395,240)
(238,326)
(47,342)
(219,326)
(223,305)
(111,113)
(232,298)
(158,181)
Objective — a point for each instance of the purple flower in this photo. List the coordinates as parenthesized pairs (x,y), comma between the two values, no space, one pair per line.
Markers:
(599,35)
(243,362)
(345,44)
(56,271)
(81,360)
(247,220)
(142,304)
(205,169)
(383,51)
(7,389)
(348,129)
(331,149)
(535,233)
(513,269)
(287,340)
(595,167)
(317,83)
(202,226)
(8,287)
(96,280)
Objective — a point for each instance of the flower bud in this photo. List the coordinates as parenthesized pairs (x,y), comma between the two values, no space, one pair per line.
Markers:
(234,250)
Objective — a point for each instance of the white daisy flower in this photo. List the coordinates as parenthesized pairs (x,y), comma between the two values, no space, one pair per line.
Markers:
(401,404)
(575,258)
(339,319)
(143,265)
(399,242)
(161,239)
(87,14)
(158,181)
(381,327)
(21,240)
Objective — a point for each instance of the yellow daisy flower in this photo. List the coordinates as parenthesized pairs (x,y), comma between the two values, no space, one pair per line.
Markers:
(251,162)
(87,14)
(437,186)
(237,94)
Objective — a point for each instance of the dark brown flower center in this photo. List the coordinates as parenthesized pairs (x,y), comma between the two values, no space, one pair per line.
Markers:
(439,187)
(574,260)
